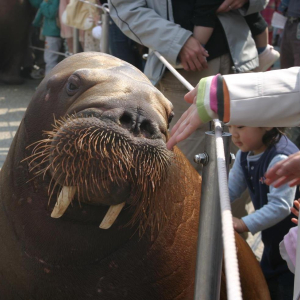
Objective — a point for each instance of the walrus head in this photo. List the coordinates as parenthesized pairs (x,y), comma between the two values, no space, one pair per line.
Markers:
(106,145)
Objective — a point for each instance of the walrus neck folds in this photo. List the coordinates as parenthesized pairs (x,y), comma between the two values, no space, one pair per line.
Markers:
(103,166)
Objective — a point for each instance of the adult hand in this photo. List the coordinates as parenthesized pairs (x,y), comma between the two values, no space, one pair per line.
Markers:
(239,225)
(285,171)
(191,96)
(228,5)
(295,211)
(193,56)
(185,126)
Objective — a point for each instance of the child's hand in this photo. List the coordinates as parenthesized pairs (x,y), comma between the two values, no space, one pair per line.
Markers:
(205,52)
(239,225)
(295,211)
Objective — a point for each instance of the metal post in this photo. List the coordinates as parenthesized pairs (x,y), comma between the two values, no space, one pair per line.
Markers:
(104,46)
(210,248)
(75,40)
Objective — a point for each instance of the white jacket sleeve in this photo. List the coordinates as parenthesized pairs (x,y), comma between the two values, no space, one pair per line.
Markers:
(144,25)
(268,99)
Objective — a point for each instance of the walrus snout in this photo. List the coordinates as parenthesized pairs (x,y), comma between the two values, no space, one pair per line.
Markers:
(137,123)
(94,155)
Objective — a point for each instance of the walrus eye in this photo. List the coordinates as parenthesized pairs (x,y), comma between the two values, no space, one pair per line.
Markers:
(72,85)
(170,117)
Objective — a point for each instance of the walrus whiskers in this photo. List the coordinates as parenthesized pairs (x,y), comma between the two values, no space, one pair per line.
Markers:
(77,145)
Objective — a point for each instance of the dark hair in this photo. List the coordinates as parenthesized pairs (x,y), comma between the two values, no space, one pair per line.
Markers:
(271,137)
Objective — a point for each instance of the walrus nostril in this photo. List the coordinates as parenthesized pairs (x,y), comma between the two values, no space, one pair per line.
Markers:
(126,120)
(147,129)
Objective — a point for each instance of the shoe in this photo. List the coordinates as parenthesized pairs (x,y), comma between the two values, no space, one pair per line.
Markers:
(266,59)
(38,73)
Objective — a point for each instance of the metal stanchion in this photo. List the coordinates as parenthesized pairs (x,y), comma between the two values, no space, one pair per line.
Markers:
(209,259)
(104,45)
(75,40)
(210,248)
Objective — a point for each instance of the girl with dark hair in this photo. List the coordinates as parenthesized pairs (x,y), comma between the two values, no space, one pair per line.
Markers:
(260,148)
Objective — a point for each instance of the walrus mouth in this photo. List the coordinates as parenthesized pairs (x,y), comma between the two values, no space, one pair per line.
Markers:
(95,159)
(65,198)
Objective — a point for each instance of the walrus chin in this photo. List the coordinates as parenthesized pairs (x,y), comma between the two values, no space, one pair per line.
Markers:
(105,164)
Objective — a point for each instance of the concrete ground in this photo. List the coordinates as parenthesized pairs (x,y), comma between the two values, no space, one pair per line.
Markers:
(13,103)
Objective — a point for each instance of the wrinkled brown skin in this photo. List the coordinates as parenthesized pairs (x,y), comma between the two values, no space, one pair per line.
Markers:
(70,257)
(15,19)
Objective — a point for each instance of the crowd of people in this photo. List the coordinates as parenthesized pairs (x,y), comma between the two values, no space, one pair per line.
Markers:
(54,24)
(218,46)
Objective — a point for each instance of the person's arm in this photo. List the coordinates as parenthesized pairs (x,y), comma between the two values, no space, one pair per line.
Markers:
(143,25)
(246,7)
(280,201)
(268,99)
(236,181)
(205,14)
(50,9)
(38,19)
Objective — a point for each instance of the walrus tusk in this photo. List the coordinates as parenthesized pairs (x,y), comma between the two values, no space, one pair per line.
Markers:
(64,199)
(111,215)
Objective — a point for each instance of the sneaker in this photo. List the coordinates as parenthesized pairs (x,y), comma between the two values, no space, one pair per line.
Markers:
(38,73)
(267,58)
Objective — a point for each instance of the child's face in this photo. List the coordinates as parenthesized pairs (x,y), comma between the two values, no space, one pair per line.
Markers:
(248,138)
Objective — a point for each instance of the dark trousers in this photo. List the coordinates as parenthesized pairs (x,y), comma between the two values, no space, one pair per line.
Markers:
(290,46)
(123,47)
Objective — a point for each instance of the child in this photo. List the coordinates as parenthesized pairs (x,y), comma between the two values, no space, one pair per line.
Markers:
(47,16)
(204,22)
(261,148)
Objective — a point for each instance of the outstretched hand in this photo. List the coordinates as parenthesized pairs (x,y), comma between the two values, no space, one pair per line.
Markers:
(295,211)
(286,171)
(188,122)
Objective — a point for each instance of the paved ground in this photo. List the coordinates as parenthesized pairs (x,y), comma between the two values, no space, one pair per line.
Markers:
(13,103)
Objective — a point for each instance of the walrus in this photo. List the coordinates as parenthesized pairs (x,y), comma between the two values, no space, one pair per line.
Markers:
(90,152)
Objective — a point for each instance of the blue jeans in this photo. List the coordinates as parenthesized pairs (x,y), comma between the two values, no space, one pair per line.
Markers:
(123,47)
(51,59)
(281,287)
